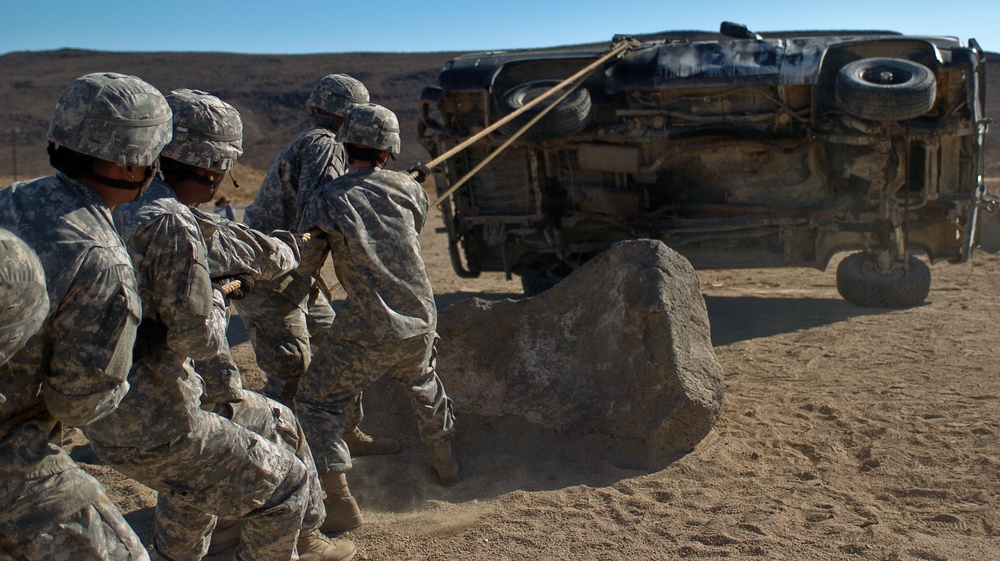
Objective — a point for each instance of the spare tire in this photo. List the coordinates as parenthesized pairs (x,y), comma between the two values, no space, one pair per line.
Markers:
(885,89)
(860,282)
(569,117)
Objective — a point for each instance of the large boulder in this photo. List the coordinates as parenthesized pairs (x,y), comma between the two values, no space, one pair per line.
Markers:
(620,348)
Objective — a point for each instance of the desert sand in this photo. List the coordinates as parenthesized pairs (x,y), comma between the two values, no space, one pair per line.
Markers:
(847,433)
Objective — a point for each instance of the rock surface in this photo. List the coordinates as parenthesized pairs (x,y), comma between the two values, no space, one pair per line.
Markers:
(621,348)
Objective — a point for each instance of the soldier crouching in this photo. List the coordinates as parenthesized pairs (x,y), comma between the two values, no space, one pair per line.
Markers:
(202,464)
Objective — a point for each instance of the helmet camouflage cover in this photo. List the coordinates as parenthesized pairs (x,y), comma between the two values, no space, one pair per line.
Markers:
(208,132)
(112,117)
(336,93)
(371,125)
(25,302)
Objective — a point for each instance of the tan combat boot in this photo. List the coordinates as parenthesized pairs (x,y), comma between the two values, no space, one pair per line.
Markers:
(314,546)
(362,444)
(342,512)
(445,464)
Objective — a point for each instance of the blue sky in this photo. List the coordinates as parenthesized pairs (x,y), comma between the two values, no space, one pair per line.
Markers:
(335,26)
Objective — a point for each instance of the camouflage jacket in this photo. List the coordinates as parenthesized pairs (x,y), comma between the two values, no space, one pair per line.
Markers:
(235,248)
(74,369)
(312,158)
(371,220)
(171,265)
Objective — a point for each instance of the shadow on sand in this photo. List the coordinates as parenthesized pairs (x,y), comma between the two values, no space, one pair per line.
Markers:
(741,318)
(503,455)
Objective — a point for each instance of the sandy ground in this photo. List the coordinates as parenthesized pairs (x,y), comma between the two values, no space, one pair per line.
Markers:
(847,433)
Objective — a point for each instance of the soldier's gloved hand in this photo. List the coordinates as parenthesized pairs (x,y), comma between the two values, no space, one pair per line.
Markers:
(150,336)
(419,172)
(246,286)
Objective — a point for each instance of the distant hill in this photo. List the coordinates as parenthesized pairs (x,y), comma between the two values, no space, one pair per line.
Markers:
(270,92)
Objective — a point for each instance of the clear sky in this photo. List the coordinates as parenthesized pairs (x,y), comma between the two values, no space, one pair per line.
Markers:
(337,26)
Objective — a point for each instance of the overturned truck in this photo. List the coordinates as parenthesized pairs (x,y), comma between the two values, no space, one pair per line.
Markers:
(737,152)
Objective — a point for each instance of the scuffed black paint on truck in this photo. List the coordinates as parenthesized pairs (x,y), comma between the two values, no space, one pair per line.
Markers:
(736,152)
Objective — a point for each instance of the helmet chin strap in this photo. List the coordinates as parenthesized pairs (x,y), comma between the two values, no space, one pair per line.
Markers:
(119,183)
(125,184)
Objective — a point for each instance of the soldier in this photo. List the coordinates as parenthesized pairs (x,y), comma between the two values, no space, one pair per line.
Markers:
(235,252)
(201,463)
(369,220)
(283,318)
(106,133)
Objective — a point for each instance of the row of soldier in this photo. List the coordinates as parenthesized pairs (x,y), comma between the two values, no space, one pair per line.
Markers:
(115,292)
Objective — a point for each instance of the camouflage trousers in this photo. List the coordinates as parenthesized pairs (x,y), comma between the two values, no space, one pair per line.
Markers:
(225,470)
(181,528)
(283,330)
(35,524)
(342,369)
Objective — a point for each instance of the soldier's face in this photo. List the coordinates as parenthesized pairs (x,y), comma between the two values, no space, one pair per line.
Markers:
(198,186)
(120,184)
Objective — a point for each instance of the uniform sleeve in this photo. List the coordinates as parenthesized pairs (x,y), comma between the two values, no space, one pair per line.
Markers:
(92,353)
(274,206)
(319,163)
(318,218)
(235,248)
(423,206)
(222,377)
(175,266)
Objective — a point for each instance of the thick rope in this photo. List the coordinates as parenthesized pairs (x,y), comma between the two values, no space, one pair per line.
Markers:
(230,287)
(617,49)
(499,150)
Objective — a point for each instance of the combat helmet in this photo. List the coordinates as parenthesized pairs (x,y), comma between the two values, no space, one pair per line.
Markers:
(208,132)
(336,93)
(26,302)
(112,117)
(371,125)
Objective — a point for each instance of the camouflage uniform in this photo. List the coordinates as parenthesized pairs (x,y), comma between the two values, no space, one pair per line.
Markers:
(234,248)
(284,317)
(198,461)
(68,372)
(26,303)
(208,136)
(371,219)
(74,370)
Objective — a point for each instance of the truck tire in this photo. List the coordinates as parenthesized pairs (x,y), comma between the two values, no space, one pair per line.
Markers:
(885,89)
(861,284)
(571,116)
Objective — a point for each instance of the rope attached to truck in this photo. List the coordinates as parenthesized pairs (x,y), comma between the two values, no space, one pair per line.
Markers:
(618,48)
